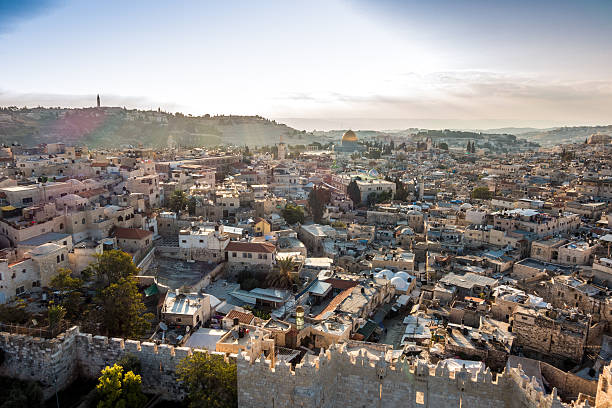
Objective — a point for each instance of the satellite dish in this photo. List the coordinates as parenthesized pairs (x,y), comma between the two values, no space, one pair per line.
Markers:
(163,326)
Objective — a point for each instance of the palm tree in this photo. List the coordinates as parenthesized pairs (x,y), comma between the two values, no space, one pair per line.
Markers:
(283,278)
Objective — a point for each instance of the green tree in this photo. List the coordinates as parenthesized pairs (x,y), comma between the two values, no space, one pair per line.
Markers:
(354,193)
(400,191)
(339,224)
(118,390)
(443,146)
(317,200)
(284,277)
(210,380)
(191,205)
(482,193)
(293,213)
(178,201)
(111,266)
(56,314)
(122,310)
(372,199)
(64,280)
(72,301)
(384,196)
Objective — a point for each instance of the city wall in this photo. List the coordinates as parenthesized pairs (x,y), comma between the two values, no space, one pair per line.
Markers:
(57,362)
(337,378)
(334,378)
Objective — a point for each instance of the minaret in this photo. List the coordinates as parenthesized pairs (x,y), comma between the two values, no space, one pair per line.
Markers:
(98,100)
(421,189)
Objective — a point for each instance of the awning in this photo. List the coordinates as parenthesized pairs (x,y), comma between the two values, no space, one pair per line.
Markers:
(151,290)
(367,329)
(382,312)
(8,208)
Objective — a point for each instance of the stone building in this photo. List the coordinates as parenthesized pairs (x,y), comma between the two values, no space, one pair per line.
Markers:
(551,334)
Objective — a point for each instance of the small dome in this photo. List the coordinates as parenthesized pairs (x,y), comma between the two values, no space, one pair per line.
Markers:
(399,284)
(403,274)
(385,274)
(349,136)
(45,249)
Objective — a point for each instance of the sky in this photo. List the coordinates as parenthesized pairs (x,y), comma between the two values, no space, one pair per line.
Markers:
(318,64)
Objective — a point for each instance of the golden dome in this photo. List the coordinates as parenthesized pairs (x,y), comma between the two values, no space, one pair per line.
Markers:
(349,136)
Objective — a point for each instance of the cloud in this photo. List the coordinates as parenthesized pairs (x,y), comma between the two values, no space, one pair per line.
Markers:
(13,12)
(466,95)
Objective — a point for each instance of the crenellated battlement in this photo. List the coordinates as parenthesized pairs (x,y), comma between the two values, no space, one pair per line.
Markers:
(73,353)
(366,378)
(344,375)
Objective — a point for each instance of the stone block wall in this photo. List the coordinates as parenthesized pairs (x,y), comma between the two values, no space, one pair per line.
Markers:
(337,378)
(57,362)
(571,384)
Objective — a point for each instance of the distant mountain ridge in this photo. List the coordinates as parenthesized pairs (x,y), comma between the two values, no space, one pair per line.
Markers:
(574,134)
(115,127)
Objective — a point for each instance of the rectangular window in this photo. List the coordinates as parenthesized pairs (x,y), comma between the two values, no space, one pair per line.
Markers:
(250,255)
(233,254)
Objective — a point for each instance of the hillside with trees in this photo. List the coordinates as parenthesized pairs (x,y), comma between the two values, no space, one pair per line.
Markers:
(115,126)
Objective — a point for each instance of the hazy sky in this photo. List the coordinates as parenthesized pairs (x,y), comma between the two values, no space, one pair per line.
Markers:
(346,63)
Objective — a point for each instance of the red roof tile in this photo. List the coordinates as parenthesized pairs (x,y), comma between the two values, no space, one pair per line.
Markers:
(341,284)
(335,302)
(131,233)
(250,247)
(245,318)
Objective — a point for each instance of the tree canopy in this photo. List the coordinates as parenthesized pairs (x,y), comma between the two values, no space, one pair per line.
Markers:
(284,278)
(293,213)
(317,199)
(354,193)
(118,390)
(482,193)
(210,380)
(111,266)
(178,201)
(122,310)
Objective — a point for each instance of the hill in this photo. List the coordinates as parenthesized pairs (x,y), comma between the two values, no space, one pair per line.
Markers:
(114,127)
(575,134)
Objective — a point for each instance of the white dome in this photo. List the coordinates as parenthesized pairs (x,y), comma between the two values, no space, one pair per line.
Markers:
(385,273)
(45,249)
(403,274)
(399,284)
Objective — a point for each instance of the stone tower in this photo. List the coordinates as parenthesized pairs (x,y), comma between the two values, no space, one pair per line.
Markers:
(98,100)
(282,149)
